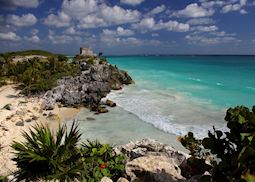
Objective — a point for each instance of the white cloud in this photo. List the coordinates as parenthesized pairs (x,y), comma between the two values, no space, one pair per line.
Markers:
(203,40)
(205,28)
(253,40)
(21,21)
(212,4)
(20,3)
(194,11)
(79,8)
(72,31)
(118,32)
(145,24)
(91,21)
(26,3)
(59,39)
(157,10)
(113,41)
(150,24)
(132,2)
(200,21)
(60,20)
(118,15)
(235,7)
(94,13)
(9,36)
(242,11)
(33,38)
(173,26)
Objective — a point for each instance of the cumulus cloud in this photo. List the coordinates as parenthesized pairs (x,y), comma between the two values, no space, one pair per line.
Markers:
(20,3)
(91,21)
(59,39)
(118,15)
(33,38)
(212,4)
(119,32)
(60,20)
(9,36)
(72,31)
(235,7)
(194,10)
(21,21)
(200,21)
(132,2)
(79,8)
(205,40)
(113,41)
(92,14)
(157,10)
(151,24)
(205,28)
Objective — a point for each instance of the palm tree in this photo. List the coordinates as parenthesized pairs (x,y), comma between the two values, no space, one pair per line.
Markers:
(45,156)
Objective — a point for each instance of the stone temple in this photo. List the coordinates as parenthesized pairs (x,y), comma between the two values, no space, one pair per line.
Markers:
(86,51)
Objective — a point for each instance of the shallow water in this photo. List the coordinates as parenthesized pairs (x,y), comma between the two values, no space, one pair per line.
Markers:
(173,95)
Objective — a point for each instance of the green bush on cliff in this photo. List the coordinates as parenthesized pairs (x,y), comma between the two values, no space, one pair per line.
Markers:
(46,156)
(231,154)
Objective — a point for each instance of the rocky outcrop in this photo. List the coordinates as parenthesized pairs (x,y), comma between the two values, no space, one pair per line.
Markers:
(87,89)
(150,161)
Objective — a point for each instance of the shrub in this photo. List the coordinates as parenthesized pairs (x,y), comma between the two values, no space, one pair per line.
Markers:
(231,154)
(100,161)
(39,75)
(46,156)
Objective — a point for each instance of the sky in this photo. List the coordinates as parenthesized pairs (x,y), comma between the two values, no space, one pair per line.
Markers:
(129,27)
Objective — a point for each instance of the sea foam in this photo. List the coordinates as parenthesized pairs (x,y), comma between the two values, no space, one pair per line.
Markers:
(171,113)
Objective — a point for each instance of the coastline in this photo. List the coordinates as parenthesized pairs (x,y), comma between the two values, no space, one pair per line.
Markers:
(23,114)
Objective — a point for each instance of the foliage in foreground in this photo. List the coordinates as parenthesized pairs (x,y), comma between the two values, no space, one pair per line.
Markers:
(231,154)
(46,156)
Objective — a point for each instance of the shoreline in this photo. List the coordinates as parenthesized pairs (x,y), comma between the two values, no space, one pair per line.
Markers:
(22,114)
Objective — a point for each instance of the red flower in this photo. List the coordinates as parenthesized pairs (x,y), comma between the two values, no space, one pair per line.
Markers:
(102,166)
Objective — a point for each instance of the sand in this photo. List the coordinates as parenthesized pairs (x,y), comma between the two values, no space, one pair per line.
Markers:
(23,114)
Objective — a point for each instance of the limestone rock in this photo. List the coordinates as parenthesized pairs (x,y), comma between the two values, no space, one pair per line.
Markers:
(106,179)
(87,89)
(122,180)
(110,103)
(149,160)
(102,110)
(153,168)
(20,123)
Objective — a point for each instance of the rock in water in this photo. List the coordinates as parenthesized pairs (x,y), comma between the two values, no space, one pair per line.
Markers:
(110,103)
(88,88)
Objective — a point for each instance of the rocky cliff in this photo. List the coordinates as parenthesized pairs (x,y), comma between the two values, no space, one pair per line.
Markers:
(96,80)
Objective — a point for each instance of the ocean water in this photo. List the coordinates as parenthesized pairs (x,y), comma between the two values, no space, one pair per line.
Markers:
(173,95)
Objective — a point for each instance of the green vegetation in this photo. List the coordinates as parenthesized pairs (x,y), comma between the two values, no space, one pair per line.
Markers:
(27,53)
(231,155)
(37,75)
(46,156)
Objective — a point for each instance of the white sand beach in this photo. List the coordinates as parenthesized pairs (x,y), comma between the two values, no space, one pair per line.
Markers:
(22,114)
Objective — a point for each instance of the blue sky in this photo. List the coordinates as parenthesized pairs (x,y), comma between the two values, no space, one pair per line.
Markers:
(124,27)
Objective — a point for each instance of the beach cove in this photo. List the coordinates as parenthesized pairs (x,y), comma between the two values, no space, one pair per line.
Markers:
(172,95)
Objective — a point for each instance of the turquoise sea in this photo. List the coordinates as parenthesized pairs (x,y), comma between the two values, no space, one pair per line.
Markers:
(173,95)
